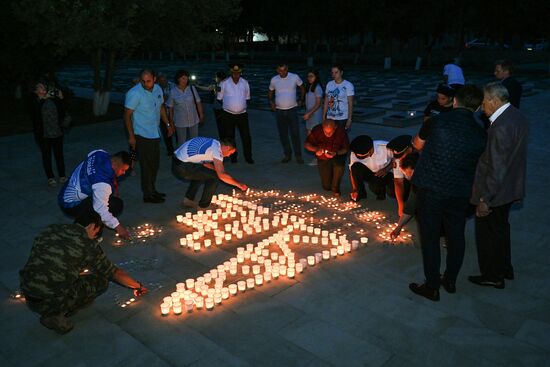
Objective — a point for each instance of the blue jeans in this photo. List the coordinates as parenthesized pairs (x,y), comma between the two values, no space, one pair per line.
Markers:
(197,174)
(433,211)
(287,122)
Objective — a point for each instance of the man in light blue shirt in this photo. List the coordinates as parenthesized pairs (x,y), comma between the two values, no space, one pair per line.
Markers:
(143,109)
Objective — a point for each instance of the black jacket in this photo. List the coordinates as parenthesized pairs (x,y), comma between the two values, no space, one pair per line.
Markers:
(501,170)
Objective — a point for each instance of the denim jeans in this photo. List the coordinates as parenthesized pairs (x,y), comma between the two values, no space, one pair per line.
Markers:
(287,123)
(197,174)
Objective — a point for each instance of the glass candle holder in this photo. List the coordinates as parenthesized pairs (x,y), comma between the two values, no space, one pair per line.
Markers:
(164,309)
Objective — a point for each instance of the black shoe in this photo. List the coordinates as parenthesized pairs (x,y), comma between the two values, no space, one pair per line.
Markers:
(483,281)
(286,159)
(159,194)
(422,290)
(153,199)
(250,161)
(449,286)
(299,160)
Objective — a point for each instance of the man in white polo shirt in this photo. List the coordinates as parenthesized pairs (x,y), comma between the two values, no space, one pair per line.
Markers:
(234,92)
(200,160)
(283,86)
(374,162)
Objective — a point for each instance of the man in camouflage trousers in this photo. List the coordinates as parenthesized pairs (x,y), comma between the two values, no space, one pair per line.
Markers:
(66,270)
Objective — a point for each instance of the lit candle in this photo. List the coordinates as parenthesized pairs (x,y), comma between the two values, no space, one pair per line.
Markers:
(334,252)
(259,279)
(241,284)
(267,276)
(326,255)
(167,300)
(324,241)
(340,250)
(290,272)
(197,246)
(311,260)
(225,293)
(209,303)
(250,283)
(183,242)
(364,240)
(245,269)
(299,267)
(305,239)
(189,303)
(218,298)
(232,289)
(164,309)
(207,243)
(256,269)
(318,257)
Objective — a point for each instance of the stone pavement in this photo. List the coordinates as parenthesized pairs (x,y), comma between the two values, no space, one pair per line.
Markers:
(354,311)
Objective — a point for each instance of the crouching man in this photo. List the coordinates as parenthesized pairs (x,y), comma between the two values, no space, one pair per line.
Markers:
(67,270)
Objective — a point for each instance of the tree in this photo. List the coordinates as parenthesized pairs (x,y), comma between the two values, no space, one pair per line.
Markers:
(107,30)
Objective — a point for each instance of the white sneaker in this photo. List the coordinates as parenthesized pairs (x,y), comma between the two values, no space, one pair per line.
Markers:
(62,179)
(52,182)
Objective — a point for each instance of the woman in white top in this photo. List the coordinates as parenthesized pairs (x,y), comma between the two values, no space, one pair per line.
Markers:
(185,108)
(314,93)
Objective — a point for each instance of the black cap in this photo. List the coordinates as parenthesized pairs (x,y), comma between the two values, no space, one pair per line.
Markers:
(361,144)
(446,90)
(399,145)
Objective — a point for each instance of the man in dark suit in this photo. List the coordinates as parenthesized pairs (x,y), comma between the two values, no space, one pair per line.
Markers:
(503,72)
(499,181)
(451,146)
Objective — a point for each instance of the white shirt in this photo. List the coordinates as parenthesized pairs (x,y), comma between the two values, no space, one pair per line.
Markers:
(379,159)
(337,94)
(234,96)
(454,74)
(285,90)
(200,150)
(498,112)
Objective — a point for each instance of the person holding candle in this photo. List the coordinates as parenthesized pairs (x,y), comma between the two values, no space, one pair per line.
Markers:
(67,270)
(330,144)
(200,160)
(93,189)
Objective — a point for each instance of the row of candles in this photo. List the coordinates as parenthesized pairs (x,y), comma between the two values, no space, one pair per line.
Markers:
(266,266)
(140,233)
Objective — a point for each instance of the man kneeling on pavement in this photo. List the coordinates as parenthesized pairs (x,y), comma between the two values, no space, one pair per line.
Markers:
(67,270)
(200,160)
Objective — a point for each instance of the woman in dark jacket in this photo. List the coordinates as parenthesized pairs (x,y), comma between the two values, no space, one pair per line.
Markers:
(47,114)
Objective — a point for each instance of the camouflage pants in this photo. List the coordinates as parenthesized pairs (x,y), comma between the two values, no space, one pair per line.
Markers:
(82,292)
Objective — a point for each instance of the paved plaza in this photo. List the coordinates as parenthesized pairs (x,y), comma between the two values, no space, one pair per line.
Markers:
(356,310)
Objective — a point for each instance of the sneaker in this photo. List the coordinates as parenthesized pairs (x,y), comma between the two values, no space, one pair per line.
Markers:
(187,203)
(159,194)
(62,179)
(313,163)
(52,182)
(59,323)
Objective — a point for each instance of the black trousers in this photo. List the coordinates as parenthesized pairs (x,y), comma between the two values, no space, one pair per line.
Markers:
(148,151)
(168,140)
(331,172)
(240,121)
(48,145)
(287,123)
(494,251)
(378,185)
(83,212)
(197,174)
(433,211)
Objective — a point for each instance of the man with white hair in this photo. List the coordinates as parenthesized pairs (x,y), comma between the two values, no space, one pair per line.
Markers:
(498,183)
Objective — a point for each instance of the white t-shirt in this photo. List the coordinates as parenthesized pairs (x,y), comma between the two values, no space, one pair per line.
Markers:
(234,96)
(379,159)
(454,74)
(337,95)
(285,90)
(200,150)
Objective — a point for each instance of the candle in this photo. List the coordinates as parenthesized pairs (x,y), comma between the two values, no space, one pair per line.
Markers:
(233,270)
(340,250)
(256,269)
(267,276)
(167,300)
(311,260)
(189,303)
(240,258)
(305,239)
(197,246)
(218,298)
(299,267)
(282,269)
(315,240)
(245,269)
(290,272)
(296,238)
(207,243)
(177,308)
(232,289)
(190,283)
(333,252)
(225,293)
(250,283)
(241,284)
(326,255)
(317,231)
(324,233)
(259,279)
(209,303)
(364,240)
(183,242)
(318,257)
(207,278)
(274,256)
(179,218)
(164,309)
(324,241)
(180,287)
(282,260)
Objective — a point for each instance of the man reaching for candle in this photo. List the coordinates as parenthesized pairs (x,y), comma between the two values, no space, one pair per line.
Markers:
(200,160)
(67,270)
